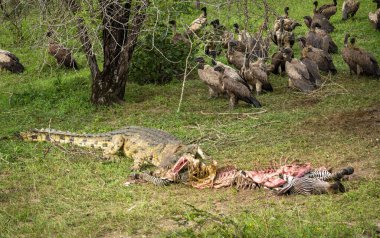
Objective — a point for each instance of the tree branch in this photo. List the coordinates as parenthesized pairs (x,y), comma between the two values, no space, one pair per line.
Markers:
(133,33)
(84,38)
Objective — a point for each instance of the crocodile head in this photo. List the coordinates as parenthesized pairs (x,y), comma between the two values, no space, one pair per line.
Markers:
(187,166)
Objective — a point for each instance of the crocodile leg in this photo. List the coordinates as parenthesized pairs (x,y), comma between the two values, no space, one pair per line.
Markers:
(113,147)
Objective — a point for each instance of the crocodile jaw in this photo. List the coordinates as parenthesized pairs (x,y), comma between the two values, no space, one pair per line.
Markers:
(182,162)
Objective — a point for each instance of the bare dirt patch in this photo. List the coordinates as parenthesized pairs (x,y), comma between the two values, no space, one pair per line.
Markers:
(363,122)
(305,102)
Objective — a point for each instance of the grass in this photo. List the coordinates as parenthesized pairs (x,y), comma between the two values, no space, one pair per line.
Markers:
(48,191)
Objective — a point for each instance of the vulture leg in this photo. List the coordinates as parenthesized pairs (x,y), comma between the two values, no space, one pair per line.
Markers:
(259,86)
(359,70)
(233,101)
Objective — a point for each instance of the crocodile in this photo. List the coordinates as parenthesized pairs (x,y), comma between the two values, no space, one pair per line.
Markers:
(175,161)
(146,146)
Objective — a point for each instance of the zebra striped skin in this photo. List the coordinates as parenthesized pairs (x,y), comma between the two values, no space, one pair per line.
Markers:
(308,186)
(156,181)
(325,175)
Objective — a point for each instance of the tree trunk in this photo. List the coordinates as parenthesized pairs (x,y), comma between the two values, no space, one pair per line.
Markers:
(119,40)
(107,88)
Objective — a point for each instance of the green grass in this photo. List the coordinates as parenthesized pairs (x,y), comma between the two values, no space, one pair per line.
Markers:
(48,191)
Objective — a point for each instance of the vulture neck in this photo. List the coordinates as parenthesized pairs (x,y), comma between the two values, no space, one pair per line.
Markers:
(204,12)
(346,40)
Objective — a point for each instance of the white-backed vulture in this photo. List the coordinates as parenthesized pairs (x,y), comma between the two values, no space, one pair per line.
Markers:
(255,73)
(279,60)
(235,89)
(10,62)
(319,18)
(302,76)
(254,44)
(198,23)
(349,8)
(243,39)
(289,23)
(358,60)
(210,77)
(231,72)
(322,58)
(374,18)
(234,57)
(62,54)
(327,10)
(320,39)
(218,28)
(283,38)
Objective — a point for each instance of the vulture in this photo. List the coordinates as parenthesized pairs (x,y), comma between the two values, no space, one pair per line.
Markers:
(349,8)
(256,75)
(177,37)
(302,75)
(323,22)
(10,62)
(254,44)
(233,73)
(244,39)
(243,35)
(235,89)
(289,24)
(320,19)
(283,38)
(320,39)
(218,28)
(260,46)
(62,54)
(279,60)
(359,61)
(210,77)
(234,57)
(198,23)
(374,18)
(322,58)
(227,37)
(213,38)
(327,10)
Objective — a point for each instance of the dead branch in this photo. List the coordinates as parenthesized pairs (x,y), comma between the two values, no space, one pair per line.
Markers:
(234,113)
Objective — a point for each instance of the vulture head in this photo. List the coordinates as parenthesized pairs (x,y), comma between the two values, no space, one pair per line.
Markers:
(287,54)
(302,41)
(204,9)
(286,10)
(215,23)
(233,43)
(236,27)
(346,39)
(172,22)
(352,40)
(219,69)
(307,20)
(200,61)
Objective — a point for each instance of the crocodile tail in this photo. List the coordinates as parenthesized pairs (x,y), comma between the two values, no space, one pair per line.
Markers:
(51,135)
(32,135)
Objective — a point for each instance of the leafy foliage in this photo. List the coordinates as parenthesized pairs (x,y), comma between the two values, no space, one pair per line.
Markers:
(158,60)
